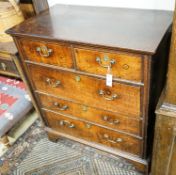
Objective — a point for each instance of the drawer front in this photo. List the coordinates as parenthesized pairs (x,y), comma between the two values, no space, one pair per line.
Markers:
(87,90)
(8,66)
(104,118)
(48,53)
(123,66)
(94,133)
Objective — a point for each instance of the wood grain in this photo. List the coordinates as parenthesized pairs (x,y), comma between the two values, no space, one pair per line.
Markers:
(93,133)
(60,54)
(127,101)
(164,155)
(101,26)
(126,66)
(111,120)
(171,81)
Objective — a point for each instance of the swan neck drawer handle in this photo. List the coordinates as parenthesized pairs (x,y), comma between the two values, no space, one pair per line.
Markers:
(111,62)
(60,107)
(66,123)
(110,120)
(53,83)
(117,140)
(4,66)
(106,95)
(44,51)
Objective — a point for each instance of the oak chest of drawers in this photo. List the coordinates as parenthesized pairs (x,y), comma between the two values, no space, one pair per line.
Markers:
(67,52)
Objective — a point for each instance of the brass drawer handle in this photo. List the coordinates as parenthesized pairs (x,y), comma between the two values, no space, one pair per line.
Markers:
(60,107)
(66,123)
(110,120)
(44,51)
(111,62)
(107,96)
(4,66)
(53,83)
(117,140)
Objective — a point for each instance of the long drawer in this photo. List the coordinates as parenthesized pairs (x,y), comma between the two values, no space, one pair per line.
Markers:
(97,116)
(87,90)
(47,52)
(94,133)
(123,65)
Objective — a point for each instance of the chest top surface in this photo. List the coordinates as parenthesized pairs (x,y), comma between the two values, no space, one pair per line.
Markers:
(131,29)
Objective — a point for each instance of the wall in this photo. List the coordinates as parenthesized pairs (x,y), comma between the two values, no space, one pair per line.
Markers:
(144,4)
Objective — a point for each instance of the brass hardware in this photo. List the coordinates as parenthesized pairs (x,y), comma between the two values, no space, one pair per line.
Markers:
(107,96)
(117,140)
(66,123)
(111,62)
(125,66)
(110,121)
(4,66)
(60,107)
(78,78)
(88,126)
(44,51)
(106,58)
(84,108)
(52,83)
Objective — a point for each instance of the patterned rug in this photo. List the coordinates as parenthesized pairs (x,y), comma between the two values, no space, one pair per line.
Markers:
(14,103)
(33,154)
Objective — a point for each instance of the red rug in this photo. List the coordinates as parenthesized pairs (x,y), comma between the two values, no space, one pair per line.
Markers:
(14,103)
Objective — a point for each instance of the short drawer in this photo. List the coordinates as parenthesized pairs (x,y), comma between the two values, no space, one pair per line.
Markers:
(97,116)
(87,90)
(93,133)
(48,53)
(8,66)
(123,65)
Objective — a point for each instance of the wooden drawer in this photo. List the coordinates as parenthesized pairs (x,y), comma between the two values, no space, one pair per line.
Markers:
(8,66)
(94,133)
(124,66)
(104,118)
(48,53)
(87,90)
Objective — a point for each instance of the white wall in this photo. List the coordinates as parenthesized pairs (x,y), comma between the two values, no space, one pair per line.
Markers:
(144,4)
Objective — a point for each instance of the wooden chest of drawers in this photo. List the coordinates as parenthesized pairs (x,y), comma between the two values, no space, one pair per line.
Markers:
(66,53)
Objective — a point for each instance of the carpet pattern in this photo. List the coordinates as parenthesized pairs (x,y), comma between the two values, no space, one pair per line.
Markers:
(14,103)
(43,157)
(49,158)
